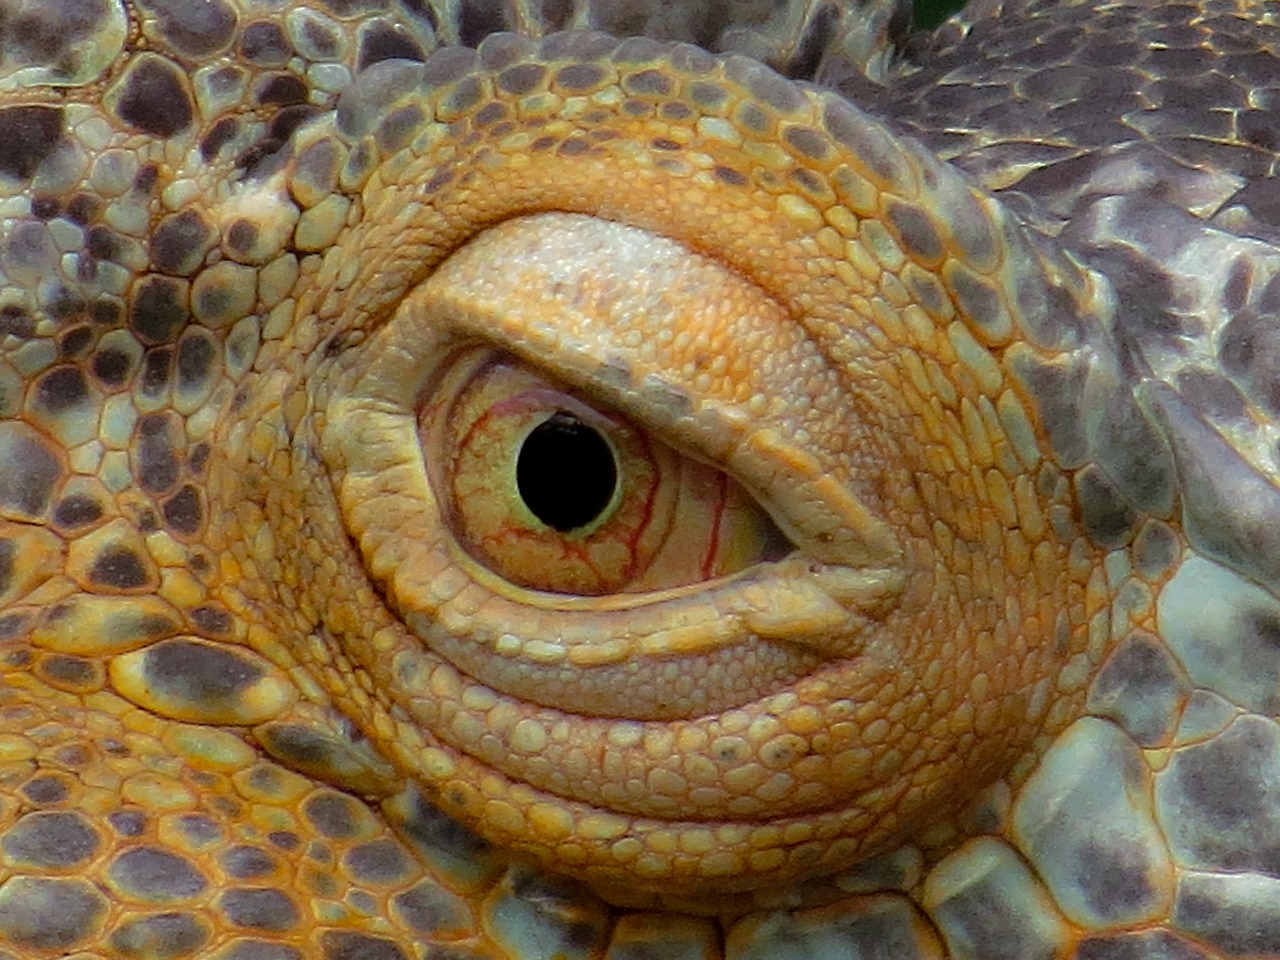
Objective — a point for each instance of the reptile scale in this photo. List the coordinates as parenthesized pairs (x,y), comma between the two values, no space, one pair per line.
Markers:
(639,481)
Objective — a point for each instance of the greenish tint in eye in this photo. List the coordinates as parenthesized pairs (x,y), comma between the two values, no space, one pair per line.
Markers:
(555,495)
(566,472)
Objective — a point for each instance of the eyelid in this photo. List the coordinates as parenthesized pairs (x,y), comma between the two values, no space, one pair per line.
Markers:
(631,315)
(801,610)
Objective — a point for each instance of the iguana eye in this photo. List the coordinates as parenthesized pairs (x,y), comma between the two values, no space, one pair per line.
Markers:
(553,493)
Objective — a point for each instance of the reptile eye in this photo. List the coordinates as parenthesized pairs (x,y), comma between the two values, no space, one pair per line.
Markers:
(554,494)
(561,458)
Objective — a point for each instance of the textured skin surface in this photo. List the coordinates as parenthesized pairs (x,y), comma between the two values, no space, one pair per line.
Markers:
(981,320)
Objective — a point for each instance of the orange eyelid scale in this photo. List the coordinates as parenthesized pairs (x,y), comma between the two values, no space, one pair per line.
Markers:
(670,521)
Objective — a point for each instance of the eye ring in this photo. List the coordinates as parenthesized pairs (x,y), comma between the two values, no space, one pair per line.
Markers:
(481,661)
(497,631)
(395,384)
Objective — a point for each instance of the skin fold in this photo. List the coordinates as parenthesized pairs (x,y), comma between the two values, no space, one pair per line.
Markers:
(627,480)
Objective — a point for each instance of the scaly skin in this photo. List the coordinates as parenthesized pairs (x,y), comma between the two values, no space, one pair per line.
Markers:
(933,613)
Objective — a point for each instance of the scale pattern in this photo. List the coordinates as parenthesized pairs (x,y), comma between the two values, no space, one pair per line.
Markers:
(982,317)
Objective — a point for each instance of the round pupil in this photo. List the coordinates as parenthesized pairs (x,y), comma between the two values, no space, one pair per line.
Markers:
(565,472)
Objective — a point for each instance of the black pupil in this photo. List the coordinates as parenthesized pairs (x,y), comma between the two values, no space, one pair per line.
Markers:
(565,472)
